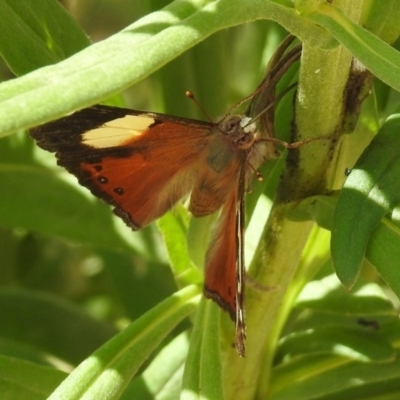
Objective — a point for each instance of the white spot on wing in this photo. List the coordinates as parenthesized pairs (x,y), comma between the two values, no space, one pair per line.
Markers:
(117,132)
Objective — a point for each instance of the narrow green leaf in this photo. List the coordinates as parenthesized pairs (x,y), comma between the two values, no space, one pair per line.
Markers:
(162,379)
(46,34)
(328,295)
(20,379)
(107,372)
(382,19)
(318,208)
(138,283)
(334,378)
(61,329)
(199,236)
(357,344)
(384,253)
(173,230)
(370,191)
(309,319)
(376,55)
(107,67)
(61,208)
(203,370)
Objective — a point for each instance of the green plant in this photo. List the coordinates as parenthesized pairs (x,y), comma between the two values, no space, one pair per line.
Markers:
(307,337)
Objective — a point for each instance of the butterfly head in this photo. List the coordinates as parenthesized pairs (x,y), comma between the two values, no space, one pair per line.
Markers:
(240,130)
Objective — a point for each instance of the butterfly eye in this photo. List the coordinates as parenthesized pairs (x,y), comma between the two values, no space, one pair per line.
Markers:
(245,141)
(231,125)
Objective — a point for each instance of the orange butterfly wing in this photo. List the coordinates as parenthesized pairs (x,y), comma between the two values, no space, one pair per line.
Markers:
(220,270)
(141,163)
(225,265)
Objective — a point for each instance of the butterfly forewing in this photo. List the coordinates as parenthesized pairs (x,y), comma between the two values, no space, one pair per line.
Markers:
(141,163)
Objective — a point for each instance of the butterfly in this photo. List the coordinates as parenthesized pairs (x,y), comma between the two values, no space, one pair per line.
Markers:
(143,163)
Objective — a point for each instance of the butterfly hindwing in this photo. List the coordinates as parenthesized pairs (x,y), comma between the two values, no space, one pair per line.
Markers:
(214,183)
(220,264)
(224,265)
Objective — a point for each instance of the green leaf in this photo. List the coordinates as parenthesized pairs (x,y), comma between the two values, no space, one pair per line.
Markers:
(328,295)
(107,372)
(318,377)
(376,55)
(130,277)
(113,64)
(71,208)
(173,229)
(318,208)
(162,379)
(20,379)
(357,344)
(370,191)
(203,371)
(382,19)
(199,236)
(49,325)
(383,252)
(46,34)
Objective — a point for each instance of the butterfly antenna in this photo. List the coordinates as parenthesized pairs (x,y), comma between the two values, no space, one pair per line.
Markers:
(259,177)
(192,97)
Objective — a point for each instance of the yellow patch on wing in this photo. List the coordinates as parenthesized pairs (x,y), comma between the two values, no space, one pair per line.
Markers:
(117,132)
